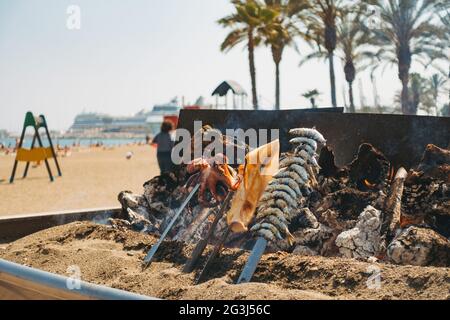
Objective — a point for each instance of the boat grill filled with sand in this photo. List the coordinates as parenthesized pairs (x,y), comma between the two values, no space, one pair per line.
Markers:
(113,256)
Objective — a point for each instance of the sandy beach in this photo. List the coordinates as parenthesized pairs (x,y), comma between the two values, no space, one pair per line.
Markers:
(91,178)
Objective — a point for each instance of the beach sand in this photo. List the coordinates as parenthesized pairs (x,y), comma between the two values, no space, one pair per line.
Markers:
(91,178)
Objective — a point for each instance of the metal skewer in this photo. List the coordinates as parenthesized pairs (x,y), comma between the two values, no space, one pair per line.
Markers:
(148,259)
(253,260)
(201,245)
(213,255)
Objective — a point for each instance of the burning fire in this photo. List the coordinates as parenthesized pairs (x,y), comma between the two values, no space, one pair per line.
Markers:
(368,184)
(389,178)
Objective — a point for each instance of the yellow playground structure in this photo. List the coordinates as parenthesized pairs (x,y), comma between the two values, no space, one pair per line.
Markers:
(35,154)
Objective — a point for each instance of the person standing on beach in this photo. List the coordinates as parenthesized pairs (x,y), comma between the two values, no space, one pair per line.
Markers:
(164,143)
(147,139)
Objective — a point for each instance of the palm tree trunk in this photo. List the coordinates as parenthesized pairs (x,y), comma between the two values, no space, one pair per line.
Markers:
(405,96)
(404,65)
(332,79)
(251,60)
(435,97)
(350,94)
(277,86)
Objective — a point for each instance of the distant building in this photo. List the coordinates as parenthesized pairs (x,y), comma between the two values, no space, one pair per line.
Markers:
(143,122)
(236,89)
(155,117)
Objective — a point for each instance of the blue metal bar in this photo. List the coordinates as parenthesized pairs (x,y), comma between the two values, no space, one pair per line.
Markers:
(253,260)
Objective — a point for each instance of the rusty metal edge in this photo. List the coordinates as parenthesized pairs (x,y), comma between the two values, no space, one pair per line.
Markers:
(16,226)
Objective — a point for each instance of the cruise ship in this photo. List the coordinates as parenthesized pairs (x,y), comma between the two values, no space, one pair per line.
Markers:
(144,122)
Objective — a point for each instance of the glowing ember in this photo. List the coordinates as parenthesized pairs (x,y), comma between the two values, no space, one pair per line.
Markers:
(368,184)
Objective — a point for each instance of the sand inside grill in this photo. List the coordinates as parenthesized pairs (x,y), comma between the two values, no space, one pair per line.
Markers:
(112,256)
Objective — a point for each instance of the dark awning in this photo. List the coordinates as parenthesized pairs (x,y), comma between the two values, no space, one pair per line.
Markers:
(223,88)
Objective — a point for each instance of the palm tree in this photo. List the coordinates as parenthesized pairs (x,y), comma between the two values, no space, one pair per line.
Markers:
(322,31)
(406,32)
(246,22)
(353,40)
(420,94)
(437,81)
(443,9)
(445,19)
(445,111)
(281,32)
(311,95)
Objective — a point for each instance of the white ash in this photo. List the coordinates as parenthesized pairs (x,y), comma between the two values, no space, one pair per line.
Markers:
(363,240)
(131,200)
(136,208)
(139,222)
(134,201)
(154,217)
(159,207)
(192,231)
(420,247)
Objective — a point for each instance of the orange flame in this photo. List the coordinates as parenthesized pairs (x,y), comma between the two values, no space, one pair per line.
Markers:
(368,184)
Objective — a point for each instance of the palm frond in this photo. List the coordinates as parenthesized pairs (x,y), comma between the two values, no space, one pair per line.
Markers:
(312,56)
(234,38)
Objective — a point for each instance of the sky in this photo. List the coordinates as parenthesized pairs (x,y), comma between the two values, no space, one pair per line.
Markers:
(130,55)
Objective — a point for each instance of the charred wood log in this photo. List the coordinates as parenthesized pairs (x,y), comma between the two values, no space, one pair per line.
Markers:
(327,164)
(434,157)
(163,192)
(370,169)
(426,198)
(347,202)
(331,178)
(392,206)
